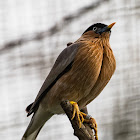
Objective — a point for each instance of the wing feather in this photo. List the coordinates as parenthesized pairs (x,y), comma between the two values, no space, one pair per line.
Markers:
(65,58)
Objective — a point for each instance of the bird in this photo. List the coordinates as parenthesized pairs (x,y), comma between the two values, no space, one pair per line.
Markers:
(79,74)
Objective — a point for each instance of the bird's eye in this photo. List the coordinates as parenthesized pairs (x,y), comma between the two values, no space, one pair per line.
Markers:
(94,28)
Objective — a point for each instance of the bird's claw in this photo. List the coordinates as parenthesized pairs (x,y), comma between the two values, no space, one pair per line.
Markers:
(82,117)
(91,121)
(77,112)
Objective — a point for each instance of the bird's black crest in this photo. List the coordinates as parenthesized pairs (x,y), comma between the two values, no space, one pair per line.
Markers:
(98,25)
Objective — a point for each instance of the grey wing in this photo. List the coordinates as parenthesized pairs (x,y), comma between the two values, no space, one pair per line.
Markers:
(61,65)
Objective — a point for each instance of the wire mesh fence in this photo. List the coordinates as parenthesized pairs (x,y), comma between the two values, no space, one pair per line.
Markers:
(33,33)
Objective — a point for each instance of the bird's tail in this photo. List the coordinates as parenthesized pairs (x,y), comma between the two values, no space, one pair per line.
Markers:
(33,135)
(36,123)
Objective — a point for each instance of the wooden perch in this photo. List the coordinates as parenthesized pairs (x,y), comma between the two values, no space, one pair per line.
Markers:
(83,133)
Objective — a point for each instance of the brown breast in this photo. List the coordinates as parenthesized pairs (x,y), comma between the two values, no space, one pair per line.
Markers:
(106,72)
(79,81)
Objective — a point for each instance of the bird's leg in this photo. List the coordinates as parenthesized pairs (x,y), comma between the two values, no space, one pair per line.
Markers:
(91,121)
(83,117)
(77,112)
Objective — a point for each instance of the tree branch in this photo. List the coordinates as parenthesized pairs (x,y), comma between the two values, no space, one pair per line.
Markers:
(83,133)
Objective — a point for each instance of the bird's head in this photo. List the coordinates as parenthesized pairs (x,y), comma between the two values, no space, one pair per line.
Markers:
(99,29)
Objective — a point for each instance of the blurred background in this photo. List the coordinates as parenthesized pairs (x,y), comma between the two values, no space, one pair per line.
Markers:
(33,33)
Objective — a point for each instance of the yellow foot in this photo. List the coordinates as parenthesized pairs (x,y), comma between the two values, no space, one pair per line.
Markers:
(91,121)
(82,117)
(77,112)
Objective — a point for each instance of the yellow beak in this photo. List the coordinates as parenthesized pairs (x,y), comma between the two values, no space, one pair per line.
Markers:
(111,25)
